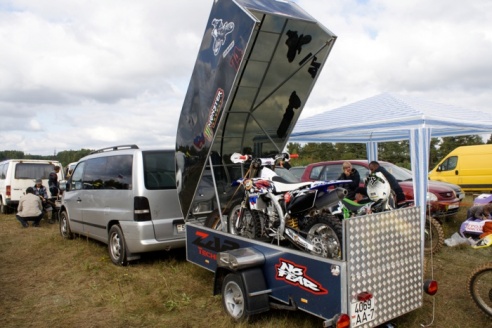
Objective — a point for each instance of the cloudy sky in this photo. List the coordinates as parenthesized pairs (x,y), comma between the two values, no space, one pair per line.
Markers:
(92,74)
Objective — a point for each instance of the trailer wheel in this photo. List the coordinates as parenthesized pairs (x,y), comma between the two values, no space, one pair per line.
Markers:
(325,233)
(234,297)
(434,236)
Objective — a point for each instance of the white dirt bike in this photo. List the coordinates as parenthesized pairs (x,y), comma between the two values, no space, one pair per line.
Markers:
(274,210)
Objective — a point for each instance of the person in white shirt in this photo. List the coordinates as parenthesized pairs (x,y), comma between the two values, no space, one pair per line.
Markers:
(30,209)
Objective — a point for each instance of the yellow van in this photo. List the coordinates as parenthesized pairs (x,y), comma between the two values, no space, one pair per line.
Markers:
(467,166)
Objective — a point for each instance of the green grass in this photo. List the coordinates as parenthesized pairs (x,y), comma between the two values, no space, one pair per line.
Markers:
(46,281)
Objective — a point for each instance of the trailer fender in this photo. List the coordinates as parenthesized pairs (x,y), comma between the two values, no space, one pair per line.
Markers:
(254,285)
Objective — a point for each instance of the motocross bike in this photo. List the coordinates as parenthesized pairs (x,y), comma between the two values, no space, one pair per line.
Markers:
(274,210)
(480,287)
(381,198)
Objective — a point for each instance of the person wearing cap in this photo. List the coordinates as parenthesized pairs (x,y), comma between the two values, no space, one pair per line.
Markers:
(30,209)
(42,192)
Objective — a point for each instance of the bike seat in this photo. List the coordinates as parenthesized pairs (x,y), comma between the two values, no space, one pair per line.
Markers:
(284,186)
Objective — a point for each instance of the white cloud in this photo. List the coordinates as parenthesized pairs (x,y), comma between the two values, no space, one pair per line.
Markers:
(88,74)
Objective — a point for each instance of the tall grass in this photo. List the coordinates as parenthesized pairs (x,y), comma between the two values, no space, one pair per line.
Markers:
(46,281)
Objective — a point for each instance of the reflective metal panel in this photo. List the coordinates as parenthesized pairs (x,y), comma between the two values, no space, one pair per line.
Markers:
(247,91)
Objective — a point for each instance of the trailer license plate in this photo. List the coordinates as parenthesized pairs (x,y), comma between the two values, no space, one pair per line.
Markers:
(362,312)
(180,227)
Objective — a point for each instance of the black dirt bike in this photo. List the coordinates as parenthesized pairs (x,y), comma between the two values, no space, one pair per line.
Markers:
(273,210)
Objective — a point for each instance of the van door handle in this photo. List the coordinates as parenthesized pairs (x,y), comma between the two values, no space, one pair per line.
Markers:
(456,172)
(79,200)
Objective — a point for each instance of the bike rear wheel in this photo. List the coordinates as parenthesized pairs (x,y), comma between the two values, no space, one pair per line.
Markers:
(480,288)
(325,233)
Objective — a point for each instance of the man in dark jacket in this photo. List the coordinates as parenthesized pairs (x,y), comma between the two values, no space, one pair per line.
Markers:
(349,173)
(375,167)
(53,182)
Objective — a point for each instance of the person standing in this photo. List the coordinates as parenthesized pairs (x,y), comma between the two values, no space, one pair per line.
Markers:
(349,173)
(30,209)
(395,186)
(53,182)
(42,193)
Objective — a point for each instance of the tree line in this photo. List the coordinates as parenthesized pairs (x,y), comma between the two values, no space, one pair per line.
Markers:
(397,152)
(64,157)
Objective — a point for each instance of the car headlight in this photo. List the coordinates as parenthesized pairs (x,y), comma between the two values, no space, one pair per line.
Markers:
(431,197)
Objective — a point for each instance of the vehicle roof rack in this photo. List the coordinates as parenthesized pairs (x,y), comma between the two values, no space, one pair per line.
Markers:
(102,150)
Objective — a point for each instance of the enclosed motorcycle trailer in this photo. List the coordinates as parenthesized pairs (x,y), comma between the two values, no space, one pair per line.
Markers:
(257,65)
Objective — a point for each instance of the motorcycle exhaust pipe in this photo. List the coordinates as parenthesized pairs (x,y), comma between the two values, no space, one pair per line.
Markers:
(331,198)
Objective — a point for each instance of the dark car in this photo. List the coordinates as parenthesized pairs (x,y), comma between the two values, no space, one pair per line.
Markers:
(443,199)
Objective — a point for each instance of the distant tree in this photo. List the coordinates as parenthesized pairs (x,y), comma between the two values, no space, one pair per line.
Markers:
(433,153)
(450,143)
(396,152)
(11,154)
(490,140)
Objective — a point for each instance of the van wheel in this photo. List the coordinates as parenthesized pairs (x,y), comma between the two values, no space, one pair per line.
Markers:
(65,231)
(3,208)
(117,246)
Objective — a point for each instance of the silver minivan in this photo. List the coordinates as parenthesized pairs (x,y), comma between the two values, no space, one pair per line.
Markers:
(125,197)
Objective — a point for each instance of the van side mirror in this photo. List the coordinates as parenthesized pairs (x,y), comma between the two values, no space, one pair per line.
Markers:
(439,168)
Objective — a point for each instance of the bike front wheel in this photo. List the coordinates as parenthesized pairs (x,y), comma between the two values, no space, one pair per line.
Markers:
(480,288)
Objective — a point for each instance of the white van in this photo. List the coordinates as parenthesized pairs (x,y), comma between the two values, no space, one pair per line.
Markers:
(126,198)
(16,175)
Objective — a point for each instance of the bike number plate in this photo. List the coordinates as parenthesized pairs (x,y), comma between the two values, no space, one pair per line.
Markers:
(362,312)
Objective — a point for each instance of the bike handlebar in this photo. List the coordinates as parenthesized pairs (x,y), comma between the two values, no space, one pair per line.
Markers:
(239,158)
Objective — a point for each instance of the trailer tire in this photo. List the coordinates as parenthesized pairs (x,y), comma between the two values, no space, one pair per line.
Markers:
(234,298)
(325,232)
(434,236)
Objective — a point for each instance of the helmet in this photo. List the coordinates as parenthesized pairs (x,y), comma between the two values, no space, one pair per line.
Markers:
(378,188)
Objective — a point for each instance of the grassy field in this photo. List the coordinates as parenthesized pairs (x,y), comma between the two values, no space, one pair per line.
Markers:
(46,281)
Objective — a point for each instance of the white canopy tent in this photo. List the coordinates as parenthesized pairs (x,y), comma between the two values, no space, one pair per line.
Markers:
(392,117)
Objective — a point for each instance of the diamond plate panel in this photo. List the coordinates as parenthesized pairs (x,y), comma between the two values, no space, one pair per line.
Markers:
(384,258)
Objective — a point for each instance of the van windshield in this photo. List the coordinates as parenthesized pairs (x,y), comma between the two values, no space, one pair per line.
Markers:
(33,170)
(159,170)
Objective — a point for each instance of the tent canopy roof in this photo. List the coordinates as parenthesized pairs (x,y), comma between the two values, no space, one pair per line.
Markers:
(390,117)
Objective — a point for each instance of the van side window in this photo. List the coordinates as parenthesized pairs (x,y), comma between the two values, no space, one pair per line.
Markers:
(76,178)
(33,170)
(159,170)
(109,172)
(450,163)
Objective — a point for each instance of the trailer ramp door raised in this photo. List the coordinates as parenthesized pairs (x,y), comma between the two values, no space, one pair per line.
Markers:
(255,70)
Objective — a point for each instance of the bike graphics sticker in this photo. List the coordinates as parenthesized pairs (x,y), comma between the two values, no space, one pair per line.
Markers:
(219,34)
(213,114)
(296,275)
